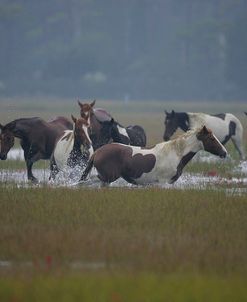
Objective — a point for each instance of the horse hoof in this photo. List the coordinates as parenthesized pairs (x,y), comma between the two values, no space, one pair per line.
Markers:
(33,180)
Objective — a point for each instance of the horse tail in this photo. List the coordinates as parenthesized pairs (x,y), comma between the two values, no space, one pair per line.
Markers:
(88,168)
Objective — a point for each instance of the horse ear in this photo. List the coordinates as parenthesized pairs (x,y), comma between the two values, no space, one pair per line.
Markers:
(80,104)
(93,103)
(73,118)
(204,130)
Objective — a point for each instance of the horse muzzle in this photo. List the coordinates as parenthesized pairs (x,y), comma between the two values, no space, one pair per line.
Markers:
(223,154)
(3,156)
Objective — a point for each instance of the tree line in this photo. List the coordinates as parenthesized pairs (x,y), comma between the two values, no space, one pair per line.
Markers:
(124,49)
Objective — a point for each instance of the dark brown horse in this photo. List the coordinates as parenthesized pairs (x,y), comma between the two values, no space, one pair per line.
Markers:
(104,129)
(37,138)
(100,124)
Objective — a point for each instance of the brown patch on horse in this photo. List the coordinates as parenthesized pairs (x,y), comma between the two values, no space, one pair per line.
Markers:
(114,160)
(141,164)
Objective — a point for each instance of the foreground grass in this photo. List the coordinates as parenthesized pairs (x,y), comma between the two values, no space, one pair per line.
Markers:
(117,287)
(163,230)
(149,244)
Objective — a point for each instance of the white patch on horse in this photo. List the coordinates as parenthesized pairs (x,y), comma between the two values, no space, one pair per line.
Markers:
(168,155)
(63,148)
(220,127)
(85,129)
(122,131)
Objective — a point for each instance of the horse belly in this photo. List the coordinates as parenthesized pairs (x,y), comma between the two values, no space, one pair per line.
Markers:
(108,171)
(139,167)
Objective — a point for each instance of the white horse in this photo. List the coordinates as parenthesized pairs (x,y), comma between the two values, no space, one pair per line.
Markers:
(225,126)
(162,163)
(73,148)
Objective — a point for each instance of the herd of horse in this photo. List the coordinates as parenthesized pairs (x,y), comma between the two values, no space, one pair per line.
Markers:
(96,139)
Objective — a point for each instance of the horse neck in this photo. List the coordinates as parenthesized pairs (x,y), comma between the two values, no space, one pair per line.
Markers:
(75,140)
(196,119)
(115,132)
(185,144)
(19,130)
(183,121)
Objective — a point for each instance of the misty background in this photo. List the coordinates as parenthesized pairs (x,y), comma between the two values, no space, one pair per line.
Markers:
(124,49)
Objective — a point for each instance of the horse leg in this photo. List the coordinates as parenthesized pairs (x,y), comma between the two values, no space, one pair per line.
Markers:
(236,134)
(53,168)
(26,148)
(29,162)
(237,142)
(129,180)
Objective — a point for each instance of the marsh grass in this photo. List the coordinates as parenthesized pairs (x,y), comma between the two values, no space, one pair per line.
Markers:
(128,287)
(147,229)
(153,244)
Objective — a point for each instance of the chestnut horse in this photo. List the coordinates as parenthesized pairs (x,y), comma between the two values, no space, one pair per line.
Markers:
(224,125)
(37,138)
(74,148)
(104,129)
(162,163)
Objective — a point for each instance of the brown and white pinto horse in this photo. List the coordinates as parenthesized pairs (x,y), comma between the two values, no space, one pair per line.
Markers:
(37,138)
(74,148)
(162,163)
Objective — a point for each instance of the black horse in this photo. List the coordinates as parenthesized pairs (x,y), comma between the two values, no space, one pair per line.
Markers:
(130,135)
(225,126)
(37,138)
(104,129)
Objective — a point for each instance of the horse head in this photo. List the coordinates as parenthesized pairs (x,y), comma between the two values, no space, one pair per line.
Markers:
(81,132)
(210,142)
(171,124)
(7,139)
(99,129)
(86,108)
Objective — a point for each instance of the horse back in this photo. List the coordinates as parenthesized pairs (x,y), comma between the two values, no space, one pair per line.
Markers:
(137,135)
(62,122)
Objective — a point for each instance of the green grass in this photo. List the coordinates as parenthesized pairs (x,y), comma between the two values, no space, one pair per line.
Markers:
(161,230)
(128,287)
(151,244)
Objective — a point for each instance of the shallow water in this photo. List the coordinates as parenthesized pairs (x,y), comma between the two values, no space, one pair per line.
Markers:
(70,178)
